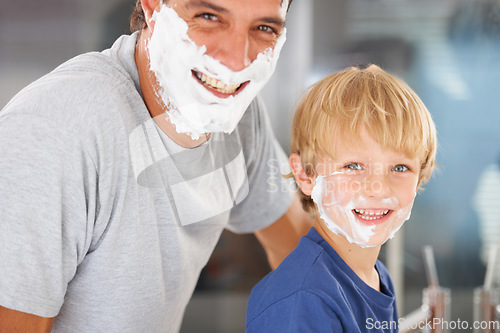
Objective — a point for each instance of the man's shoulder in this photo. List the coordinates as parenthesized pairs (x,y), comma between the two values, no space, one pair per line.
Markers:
(89,84)
(88,99)
(93,73)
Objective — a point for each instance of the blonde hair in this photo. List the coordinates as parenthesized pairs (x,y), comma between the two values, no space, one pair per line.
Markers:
(341,104)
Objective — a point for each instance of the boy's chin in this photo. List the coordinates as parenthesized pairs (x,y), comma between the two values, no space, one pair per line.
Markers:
(376,240)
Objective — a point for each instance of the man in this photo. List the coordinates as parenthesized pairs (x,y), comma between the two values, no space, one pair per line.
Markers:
(120,170)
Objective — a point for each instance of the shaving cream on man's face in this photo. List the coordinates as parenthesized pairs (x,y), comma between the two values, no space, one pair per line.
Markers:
(364,221)
(180,65)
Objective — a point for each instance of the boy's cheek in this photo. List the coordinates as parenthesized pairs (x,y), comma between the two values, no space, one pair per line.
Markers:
(338,214)
(340,191)
(334,200)
(407,193)
(410,199)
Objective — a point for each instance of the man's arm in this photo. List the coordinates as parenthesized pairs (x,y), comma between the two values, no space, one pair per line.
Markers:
(12,321)
(280,238)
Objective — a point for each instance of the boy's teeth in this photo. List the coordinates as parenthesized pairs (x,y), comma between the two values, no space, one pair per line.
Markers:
(216,84)
(371,214)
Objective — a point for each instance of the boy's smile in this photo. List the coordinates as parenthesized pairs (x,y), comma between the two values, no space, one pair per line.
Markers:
(366,192)
(372,216)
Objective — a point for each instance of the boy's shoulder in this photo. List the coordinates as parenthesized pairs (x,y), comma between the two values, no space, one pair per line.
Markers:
(315,274)
(307,269)
(314,290)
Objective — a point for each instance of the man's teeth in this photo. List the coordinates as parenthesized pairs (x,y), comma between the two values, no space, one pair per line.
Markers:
(370,215)
(216,84)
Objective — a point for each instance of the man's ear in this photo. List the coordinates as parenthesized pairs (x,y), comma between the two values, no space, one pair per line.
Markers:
(304,182)
(149,6)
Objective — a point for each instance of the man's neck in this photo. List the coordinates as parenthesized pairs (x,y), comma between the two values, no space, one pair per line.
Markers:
(360,260)
(156,107)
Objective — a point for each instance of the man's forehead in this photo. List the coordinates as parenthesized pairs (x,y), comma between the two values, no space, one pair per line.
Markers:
(283,4)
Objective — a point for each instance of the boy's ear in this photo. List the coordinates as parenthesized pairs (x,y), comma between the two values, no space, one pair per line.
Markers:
(304,182)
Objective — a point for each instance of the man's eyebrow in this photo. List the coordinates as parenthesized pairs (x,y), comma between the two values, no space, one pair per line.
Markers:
(199,4)
(205,4)
(274,20)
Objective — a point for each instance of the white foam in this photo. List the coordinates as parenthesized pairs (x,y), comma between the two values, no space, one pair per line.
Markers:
(335,215)
(189,105)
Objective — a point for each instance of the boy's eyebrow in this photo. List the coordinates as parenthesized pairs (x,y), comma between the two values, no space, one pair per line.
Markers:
(199,4)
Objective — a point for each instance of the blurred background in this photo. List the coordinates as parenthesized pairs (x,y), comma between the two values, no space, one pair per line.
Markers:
(447,50)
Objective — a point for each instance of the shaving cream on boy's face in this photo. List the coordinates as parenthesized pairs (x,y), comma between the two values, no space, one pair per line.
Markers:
(362,220)
(181,67)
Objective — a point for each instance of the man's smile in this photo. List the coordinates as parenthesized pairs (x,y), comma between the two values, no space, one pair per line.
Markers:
(219,86)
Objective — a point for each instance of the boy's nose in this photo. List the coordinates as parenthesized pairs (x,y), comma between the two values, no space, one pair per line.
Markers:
(376,186)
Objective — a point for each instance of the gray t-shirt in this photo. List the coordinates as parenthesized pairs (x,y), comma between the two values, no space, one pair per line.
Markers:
(105,222)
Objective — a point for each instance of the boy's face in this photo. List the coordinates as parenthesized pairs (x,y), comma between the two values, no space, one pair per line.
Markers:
(366,193)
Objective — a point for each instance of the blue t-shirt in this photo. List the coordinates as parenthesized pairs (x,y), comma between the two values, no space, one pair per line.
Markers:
(314,290)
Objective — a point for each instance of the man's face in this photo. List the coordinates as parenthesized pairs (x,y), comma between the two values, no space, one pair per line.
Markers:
(366,192)
(233,31)
(212,57)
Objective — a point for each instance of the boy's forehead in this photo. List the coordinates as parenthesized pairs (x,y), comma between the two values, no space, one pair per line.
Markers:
(344,141)
(363,140)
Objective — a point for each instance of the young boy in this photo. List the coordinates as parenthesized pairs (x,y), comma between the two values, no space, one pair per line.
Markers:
(362,145)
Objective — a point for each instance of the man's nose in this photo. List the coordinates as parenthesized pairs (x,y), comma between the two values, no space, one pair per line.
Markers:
(234,50)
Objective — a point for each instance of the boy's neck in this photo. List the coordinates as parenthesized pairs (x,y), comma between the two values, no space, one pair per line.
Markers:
(360,260)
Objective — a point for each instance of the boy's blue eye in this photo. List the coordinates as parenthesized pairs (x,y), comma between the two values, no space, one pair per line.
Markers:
(400,168)
(353,166)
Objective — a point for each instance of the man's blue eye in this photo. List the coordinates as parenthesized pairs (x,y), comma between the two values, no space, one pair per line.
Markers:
(400,168)
(208,16)
(266,28)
